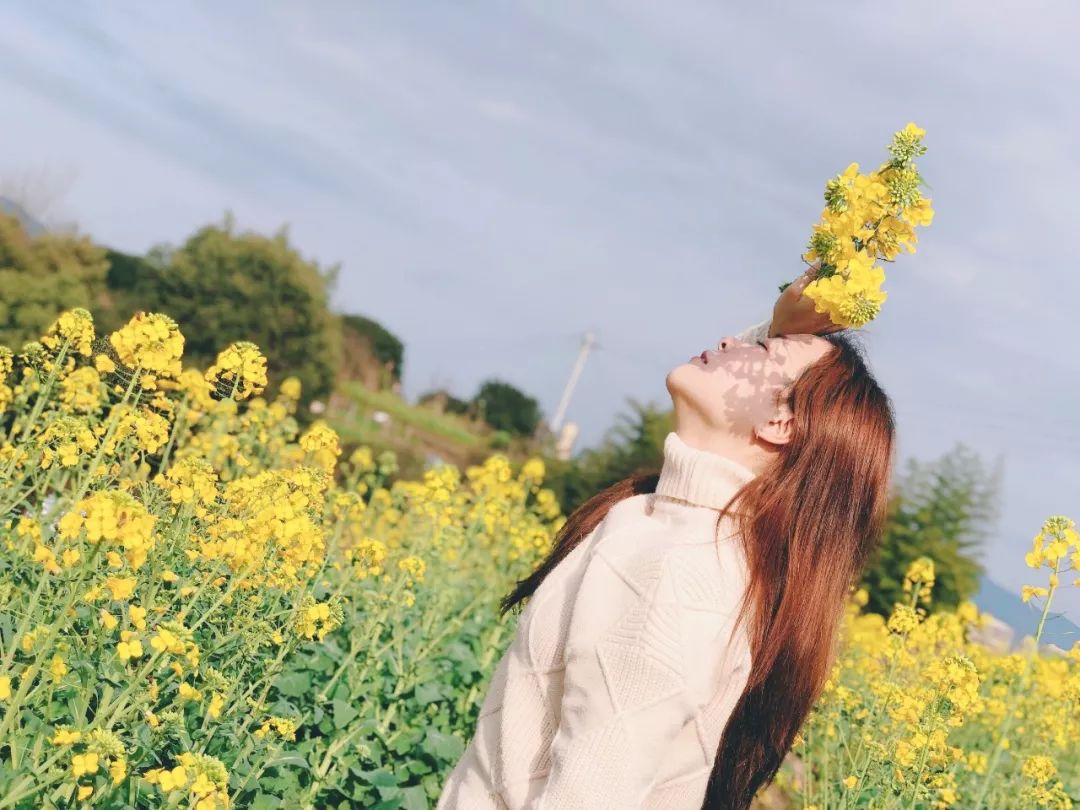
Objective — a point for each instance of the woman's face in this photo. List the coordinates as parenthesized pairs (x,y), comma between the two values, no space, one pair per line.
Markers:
(737,392)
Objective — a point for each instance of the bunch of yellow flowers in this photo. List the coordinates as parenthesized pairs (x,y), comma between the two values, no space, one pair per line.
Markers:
(921,709)
(867,218)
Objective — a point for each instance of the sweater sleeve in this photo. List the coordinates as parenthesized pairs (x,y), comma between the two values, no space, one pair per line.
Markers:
(625,691)
(758,331)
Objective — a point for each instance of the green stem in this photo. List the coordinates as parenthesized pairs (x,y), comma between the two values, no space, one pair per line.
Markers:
(28,676)
(110,431)
(43,394)
(178,426)
(922,762)
(1006,724)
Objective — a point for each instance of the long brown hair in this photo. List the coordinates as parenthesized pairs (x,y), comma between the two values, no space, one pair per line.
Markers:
(811,520)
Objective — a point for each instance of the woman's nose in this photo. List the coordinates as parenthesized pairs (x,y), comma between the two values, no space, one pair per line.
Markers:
(726,342)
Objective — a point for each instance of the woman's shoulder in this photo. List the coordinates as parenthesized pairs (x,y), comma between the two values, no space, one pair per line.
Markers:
(627,513)
(630,528)
(701,568)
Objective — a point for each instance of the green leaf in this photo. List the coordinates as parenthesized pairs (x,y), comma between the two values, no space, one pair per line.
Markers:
(419,767)
(428,692)
(293,684)
(264,802)
(287,759)
(344,713)
(380,778)
(391,792)
(414,798)
(445,747)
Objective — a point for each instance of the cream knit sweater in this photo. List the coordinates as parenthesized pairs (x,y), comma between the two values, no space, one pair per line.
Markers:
(624,669)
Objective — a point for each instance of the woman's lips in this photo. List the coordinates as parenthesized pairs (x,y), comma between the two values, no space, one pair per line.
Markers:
(703,357)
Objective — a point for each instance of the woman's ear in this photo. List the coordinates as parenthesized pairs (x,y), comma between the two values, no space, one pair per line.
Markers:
(780,427)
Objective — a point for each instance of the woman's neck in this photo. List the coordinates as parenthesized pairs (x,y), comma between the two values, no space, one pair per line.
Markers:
(699,476)
(712,441)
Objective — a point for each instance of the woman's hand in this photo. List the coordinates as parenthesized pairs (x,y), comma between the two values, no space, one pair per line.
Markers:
(793,313)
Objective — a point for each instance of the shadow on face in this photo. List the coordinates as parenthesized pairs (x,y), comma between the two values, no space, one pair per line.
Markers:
(736,388)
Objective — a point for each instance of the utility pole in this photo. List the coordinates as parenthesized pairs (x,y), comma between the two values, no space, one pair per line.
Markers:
(575,373)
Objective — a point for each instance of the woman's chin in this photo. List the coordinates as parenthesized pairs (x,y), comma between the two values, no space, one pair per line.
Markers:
(675,379)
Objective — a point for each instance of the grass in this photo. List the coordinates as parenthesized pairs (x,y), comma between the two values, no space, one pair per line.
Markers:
(446,426)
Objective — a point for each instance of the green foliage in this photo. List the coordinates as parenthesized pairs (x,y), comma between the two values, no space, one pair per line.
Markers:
(406,712)
(943,510)
(414,416)
(635,444)
(42,276)
(222,286)
(384,346)
(505,407)
(500,440)
(133,283)
(452,404)
(271,635)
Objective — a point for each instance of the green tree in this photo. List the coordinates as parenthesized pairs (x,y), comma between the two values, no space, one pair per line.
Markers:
(223,286)
(634,444)
(42,276)
(505,407)
(385,345)
(451,404)
(944,510)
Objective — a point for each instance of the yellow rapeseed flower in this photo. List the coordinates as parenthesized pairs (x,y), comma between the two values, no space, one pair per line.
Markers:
(75,326)
(283,727)
(58,668)
(120,588)
(83,764)
(239,371)
(173,779)
(129,649)
(115,517)
(103,364)
(321,443)
(290,388)
(118,770)
(150,341)
(866,217)
(1028,592)
(217,702)
(81,390)
(137,616)
(65,736)
(1039,769)
(108,621)
(191,480)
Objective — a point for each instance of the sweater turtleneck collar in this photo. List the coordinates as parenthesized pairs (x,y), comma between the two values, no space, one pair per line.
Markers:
(699,477)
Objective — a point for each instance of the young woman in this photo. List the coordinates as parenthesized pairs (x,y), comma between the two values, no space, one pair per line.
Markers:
(680,630)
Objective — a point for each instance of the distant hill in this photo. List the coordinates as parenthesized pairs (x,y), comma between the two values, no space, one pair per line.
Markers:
(1024,618)
(13,209)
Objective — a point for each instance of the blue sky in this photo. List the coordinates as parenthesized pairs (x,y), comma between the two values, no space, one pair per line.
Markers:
(495,179)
